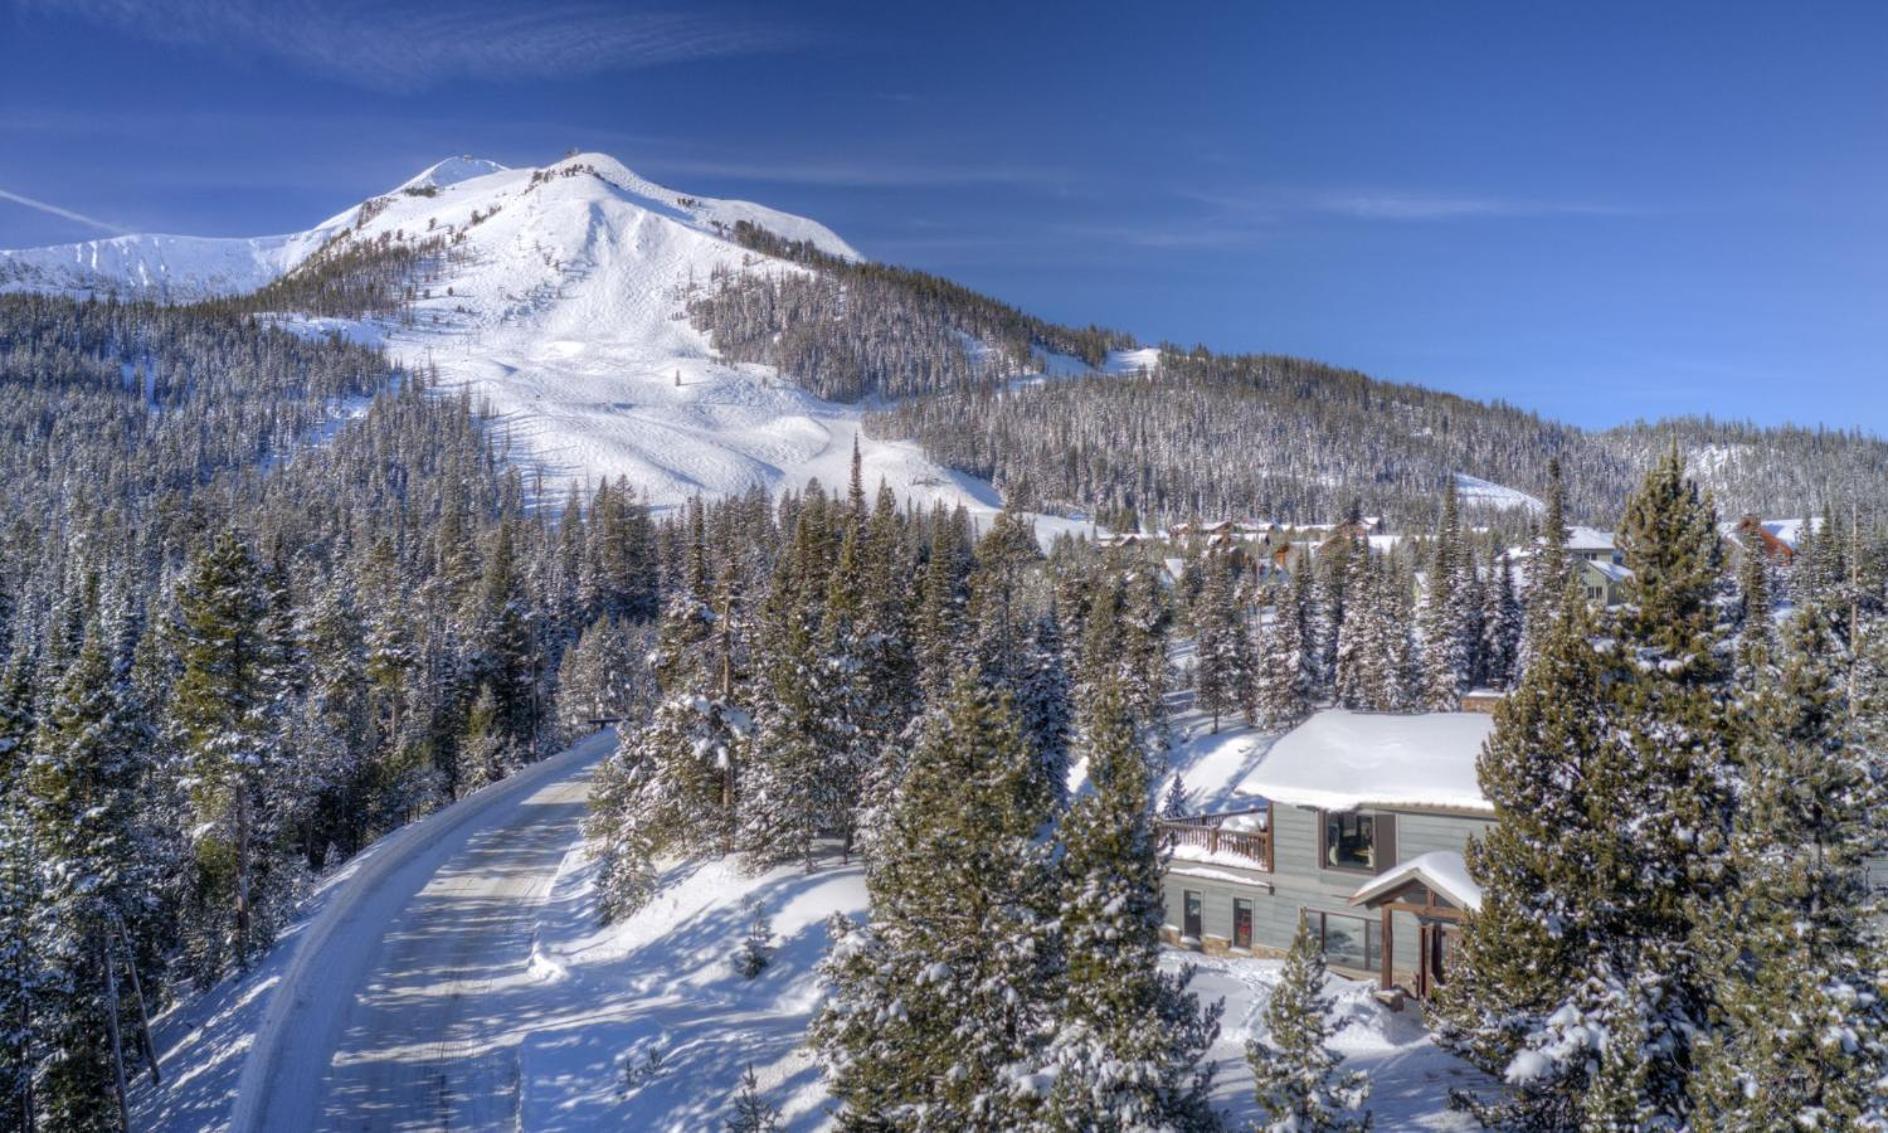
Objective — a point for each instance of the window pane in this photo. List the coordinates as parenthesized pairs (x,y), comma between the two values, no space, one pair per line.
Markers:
(1350,841)
(1192,926)
(1351,942)
(1241,922)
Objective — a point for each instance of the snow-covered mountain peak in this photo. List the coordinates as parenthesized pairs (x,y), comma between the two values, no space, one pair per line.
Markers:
(454,196)
(450,172)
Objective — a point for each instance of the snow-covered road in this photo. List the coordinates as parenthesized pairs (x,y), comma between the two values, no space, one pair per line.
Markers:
(400,1007)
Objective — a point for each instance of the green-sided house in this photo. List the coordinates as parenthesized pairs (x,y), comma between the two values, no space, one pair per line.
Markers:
(1356,821)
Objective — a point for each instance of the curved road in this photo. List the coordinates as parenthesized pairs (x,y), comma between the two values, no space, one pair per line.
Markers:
(393,1013)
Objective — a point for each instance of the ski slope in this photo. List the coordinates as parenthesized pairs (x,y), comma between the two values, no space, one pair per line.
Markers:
(561,307)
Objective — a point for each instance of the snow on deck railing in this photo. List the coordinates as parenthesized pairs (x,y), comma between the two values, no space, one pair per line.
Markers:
(1203,839)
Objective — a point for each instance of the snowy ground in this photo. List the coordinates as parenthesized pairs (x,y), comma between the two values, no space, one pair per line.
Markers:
(453,976)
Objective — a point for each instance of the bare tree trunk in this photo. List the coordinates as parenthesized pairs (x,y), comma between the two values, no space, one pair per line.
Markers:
(242,873)
(111,1026)
(144,1014)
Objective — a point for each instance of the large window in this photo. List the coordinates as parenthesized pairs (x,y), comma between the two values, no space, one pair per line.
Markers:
(1191,925)
(1241,923)
(1349,942)
(1350,841)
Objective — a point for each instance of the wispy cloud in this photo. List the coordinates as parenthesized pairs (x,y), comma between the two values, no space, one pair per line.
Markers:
(878,173)
(66,213)
(406,45)
(1420,207)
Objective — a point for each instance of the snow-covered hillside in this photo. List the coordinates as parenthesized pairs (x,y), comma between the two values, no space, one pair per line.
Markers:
(561,305)
(1472,490)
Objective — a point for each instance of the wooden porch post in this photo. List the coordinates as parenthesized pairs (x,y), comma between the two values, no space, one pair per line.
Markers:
(1388,963)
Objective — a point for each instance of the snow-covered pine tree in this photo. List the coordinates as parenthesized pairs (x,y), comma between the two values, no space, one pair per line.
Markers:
(20,971)
(19,892)
(1374,651)
(1801,1034)
(1044,704)
(1146,623)
(939,628)
(1449,637)
(801,779)
(756,949)
(1582,979)
(752,1112)
(1127,1053)
(226,714)
(1284,679)
(1547,869)
(603,677)
(1296,1074)
(1502,621)
(1223,648)
(1756,644)
(943,1003)
(80,791)
(1547,570)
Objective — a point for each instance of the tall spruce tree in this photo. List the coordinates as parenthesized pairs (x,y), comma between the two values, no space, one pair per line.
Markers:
(1582,980)
(1223,677)
(1449,618)
(1285,680)
(1547,570)
(226,713)
(943,1004)
(1800,1038)
(81,792)
(1128,1051)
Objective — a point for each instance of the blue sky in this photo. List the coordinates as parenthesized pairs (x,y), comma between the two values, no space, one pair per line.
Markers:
(1601,211)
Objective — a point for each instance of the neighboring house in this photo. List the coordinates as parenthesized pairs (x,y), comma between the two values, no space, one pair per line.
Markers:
(1593,545)
(1776,538)
(1601,580)
(1356,821)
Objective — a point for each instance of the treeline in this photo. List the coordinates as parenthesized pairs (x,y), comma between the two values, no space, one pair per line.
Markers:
(1210,436)
(233,656)
(350,278)
(853,329)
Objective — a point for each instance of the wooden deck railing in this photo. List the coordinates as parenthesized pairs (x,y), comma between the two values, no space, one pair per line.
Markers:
(1203,835)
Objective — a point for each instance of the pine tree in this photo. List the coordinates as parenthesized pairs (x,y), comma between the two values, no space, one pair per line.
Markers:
(1284,677)
(81,789)
(226,713)
(1224,677)
(940,1003)
(1448,633)
(940,624)
(1502,624)
(1294,1070)
(1581,979)
(1802,1029)
(756,948)
(1044,701)
(1548,570)
(752,1112)
(1127,1054)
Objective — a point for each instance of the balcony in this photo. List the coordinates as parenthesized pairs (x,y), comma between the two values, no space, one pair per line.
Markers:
(1242,838)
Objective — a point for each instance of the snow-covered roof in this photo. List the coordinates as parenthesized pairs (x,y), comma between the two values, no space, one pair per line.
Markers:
(1589,539)
(1443,871)
(1613,571)
(1343,760)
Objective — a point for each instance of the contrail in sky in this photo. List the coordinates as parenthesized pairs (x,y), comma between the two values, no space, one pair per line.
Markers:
(55,210)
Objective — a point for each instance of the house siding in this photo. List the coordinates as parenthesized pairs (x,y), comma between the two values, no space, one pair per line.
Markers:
(1301,881)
